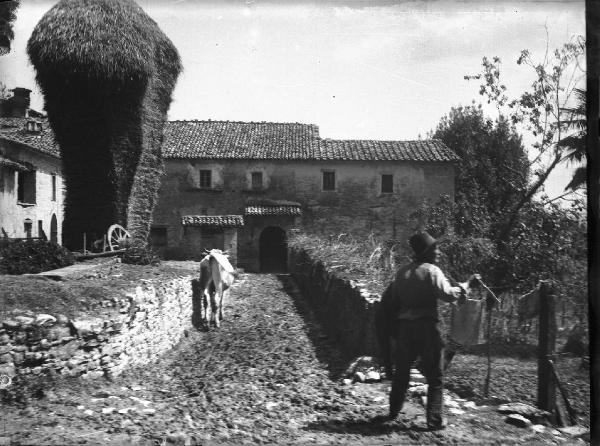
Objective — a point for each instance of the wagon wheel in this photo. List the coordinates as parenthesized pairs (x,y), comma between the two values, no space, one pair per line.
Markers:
(117,234)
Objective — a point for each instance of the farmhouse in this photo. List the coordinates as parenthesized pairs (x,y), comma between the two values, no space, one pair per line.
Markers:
(243,186)
(31,186)
(237,186)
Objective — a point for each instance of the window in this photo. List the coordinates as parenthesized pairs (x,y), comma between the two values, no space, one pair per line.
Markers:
(26,187)
(53,187)
(329,180)
(387,184)
(257,180)
(206,178)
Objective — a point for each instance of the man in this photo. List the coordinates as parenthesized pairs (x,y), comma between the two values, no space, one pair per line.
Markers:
(409,316)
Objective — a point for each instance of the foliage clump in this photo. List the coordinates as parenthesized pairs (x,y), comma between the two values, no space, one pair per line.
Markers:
(33,256)
(368,259)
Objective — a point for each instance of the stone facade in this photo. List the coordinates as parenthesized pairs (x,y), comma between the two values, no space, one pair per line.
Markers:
(31,181)
(375,185)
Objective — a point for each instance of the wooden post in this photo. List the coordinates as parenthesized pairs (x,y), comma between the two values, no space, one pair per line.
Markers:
(565,396)
(84,242)
(488,376)
(546,394)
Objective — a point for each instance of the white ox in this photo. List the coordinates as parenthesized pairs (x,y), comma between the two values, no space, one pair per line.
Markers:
(216,276)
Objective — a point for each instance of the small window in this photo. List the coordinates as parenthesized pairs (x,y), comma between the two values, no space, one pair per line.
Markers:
(387,184)
(206,178)
(257,180)
(329,180)
(26,187)
(53,187)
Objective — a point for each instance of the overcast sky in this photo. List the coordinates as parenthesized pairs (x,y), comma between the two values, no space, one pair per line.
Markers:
(359,70)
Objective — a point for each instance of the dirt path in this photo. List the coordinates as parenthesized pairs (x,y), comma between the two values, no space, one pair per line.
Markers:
(269,375)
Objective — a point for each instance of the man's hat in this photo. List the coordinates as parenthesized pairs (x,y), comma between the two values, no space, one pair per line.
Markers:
(421,243)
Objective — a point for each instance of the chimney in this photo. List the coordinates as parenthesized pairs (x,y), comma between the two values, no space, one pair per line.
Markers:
(20,102)
(33,126)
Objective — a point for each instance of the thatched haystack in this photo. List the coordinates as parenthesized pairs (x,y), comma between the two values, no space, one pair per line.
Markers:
(107,73)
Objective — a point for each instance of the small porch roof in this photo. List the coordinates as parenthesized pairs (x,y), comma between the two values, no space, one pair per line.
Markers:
(275,209)
(14,164)
(214,221)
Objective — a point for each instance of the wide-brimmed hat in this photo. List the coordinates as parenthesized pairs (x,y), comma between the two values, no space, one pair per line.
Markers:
(421,243)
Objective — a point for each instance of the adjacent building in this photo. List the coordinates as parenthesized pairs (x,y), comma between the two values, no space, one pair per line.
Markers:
(31,186)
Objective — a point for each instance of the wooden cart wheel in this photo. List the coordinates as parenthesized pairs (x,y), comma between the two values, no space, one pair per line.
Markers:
(117,234)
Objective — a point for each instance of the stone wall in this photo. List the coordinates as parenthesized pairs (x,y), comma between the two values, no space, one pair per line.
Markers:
(145,324)
(345,308)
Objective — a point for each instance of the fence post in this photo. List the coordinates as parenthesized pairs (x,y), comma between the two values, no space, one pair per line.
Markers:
(546,394)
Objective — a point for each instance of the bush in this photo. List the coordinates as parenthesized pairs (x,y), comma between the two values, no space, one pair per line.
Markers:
(33,256)
(140,254)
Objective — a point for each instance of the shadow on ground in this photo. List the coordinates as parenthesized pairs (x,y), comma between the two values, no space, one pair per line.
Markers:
(375,426)
(327,352)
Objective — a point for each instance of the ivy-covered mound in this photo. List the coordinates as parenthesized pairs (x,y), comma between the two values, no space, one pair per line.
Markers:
(107,73)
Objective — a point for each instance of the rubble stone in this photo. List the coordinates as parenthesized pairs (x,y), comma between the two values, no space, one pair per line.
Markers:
(518,420)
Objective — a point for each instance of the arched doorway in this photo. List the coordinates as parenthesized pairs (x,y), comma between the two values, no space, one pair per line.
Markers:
(272,247)
(53,229)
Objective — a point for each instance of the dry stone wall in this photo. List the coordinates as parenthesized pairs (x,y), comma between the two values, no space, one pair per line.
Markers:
(345,308)
(147,323)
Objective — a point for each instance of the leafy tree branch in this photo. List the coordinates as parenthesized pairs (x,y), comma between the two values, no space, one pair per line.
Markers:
(543,111)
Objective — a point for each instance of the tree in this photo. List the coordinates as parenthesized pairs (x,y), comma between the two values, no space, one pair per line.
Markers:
(541,111)
(494,169)
(574,143)
(4,91)
(7,17)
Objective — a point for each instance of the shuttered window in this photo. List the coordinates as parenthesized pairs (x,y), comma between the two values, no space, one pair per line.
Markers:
(329,180)
(387,184)
(257,180)
(206,178)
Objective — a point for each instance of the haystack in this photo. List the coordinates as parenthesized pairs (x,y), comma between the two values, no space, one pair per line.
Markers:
(107,73)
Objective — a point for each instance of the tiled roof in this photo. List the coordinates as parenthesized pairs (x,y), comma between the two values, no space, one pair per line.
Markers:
(287,141)
(14,164)
(253,140)
(239,140)
(272,210)
(219,221)
(372,150)
(13,129)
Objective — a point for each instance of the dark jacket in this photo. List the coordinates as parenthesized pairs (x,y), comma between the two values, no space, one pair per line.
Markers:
(412,295)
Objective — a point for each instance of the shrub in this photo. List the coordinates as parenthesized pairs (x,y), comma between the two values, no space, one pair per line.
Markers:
(33,256)
(139,253)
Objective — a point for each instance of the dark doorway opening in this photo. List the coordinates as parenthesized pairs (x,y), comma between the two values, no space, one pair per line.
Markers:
(53,229)
(273,250)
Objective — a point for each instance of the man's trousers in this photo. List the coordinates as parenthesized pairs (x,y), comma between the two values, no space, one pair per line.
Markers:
(419,338)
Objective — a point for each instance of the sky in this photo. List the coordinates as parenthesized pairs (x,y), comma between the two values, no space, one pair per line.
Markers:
(385,70)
